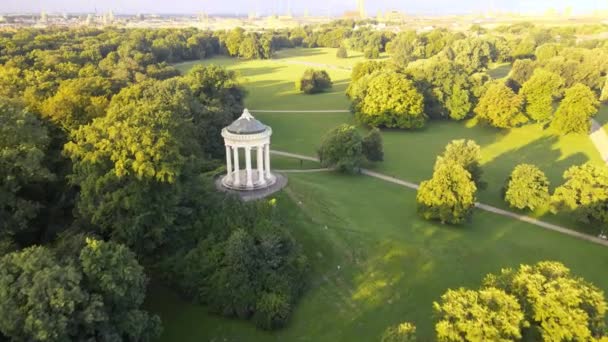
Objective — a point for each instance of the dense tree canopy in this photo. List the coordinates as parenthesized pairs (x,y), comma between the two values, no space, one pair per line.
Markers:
(467,154)
(575,110)
(539,92)
(557,305)
(527,188)
(342,148)
(489,314)
(23,147)
(501,107)
(449,196)
(386,99)
(585,193)
(372,146)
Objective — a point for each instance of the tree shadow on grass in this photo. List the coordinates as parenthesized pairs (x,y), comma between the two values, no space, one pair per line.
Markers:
(298,52)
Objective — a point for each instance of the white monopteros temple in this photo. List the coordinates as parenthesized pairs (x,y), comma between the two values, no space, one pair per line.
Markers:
(250,136)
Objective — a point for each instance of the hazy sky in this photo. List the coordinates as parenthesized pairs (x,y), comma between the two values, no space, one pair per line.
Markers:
(298,6)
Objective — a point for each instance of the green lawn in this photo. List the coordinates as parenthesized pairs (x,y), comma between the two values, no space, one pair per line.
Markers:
(375,263)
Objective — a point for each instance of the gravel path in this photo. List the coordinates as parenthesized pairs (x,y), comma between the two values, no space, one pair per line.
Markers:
(600,139)
(485,207)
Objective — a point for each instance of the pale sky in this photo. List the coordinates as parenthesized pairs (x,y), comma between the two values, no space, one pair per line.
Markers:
(243,7)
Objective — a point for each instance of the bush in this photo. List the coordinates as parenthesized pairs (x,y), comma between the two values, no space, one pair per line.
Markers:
(448,197)
(342,148)
(342,53)
(404,332)
(371,53)
(372,146)
(314,81)
(272,311)
(527,187)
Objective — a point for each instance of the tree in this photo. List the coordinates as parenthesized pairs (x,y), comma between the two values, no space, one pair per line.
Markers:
(527,187)
(557,305)
(365,68)
(403,332)
(467,154)
(521,71)
(372,146)
(578,106)
(449,196)
(23,147)
(233,41)
(539,92)
(342,148)
(389,100)
(314,81)
(604,95)
(342,53)
(489,314)
(77,102)
(371,53)
(585,193)
(501,107)
(45,298)
(473,54)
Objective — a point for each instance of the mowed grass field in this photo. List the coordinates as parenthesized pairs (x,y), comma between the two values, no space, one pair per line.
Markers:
(374,262)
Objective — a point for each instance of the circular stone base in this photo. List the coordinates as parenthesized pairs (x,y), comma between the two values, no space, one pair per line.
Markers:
(279,181)
(257,181)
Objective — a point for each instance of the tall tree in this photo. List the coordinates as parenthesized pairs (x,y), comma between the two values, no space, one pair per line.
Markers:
(578,106)
(449,196)
(539,92)
(467,154)
(527,187)
(489,314)
(501,107)
(23,147)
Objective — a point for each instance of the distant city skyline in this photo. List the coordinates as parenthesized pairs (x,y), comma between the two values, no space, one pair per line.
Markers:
(313,7)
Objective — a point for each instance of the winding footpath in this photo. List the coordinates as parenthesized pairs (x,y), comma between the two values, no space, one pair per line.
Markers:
(485,207)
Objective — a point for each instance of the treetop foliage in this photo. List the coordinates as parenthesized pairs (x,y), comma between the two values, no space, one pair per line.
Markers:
(501,107)
(314,81)
(578,106)
(342,149)
(527,188)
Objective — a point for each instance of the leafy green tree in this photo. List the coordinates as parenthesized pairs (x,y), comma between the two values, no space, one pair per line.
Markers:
(489,314)
(521,72)
(342,53)
(371,53)
(23,147)
(501,107)
(449,196)
(372,146)
(250,47)
(342,148)
(557,305)
(77,102)
(585,193)
(390,100)
(272,311)
(314,81)
(527,188)
(129,163)
(539,92)
(365,68)
(467,154)
(547,51)
(233,41)
(473,54)
(403,332)
(578,106)
(604,95)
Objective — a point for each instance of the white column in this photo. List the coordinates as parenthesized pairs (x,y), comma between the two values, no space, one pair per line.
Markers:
(267,152)
(260,158)
(248,166)
(237,177)
(229,163)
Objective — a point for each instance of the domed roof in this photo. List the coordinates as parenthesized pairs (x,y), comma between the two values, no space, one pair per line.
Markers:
(246,124)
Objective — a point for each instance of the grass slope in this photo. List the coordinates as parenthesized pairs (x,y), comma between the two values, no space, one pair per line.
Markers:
(375,263)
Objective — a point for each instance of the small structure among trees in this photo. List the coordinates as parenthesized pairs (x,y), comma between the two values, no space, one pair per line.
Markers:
(314,81)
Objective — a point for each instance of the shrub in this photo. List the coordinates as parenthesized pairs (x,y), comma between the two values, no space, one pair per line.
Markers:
(372,146)
(342,53)
(314,81)
(271,311)
(404,332)
(342,148)
(527,187)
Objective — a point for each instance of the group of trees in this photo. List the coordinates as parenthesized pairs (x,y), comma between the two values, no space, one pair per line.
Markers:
(344,149)
(106,158)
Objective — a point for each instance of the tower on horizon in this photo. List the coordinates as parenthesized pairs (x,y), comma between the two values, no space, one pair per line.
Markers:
(361,8)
